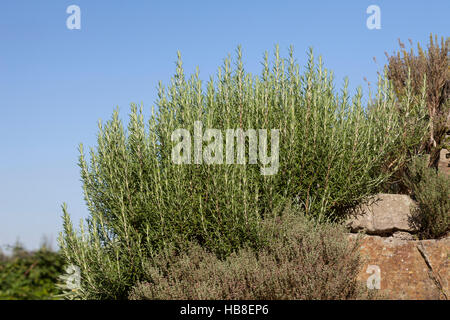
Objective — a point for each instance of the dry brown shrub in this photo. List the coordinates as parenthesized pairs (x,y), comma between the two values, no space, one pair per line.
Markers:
(300,260)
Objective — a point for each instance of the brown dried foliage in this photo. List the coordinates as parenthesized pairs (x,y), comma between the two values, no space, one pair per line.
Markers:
(300,260)
(432,63)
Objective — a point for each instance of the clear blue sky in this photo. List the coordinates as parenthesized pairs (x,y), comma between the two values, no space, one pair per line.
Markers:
(56,83)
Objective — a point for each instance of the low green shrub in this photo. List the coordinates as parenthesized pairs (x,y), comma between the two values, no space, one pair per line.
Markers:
(431,190)
(29,275)
(301,259)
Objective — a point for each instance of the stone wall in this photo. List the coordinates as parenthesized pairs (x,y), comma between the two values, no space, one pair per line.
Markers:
(396,264)
(406,269)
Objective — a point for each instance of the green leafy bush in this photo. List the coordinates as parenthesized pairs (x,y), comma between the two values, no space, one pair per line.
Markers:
(331,155)
(300,260)
(29,275)
(431,190)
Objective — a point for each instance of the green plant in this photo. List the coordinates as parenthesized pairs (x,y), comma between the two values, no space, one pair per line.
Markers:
(431,190)
(331,153)
(414,125)
(300,260)
(29,275)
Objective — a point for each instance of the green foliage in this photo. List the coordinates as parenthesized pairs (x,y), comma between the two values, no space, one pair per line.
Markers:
(300,260)
(415,125)
(29,275)
(431,190)
(333,154)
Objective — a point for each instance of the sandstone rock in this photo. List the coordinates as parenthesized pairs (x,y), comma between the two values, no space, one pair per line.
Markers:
(444,162)
(406,269)
(403,235)
(386,214)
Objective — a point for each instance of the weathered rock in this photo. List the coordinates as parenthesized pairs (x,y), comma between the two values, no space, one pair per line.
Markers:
(386,214)
(444,162)
(406,269)
(402,235)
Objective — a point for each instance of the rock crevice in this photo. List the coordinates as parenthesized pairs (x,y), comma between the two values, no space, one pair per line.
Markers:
(434,276)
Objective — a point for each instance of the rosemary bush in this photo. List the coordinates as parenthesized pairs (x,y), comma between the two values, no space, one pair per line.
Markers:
(332,151)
